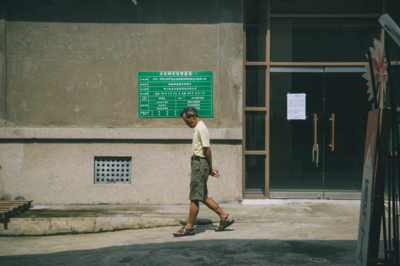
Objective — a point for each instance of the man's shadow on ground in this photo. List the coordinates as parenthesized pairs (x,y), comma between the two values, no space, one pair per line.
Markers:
(207,225)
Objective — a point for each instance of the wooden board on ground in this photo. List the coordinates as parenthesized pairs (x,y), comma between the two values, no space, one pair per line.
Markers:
(9,208)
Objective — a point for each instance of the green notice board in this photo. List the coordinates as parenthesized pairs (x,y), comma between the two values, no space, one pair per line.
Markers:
(166,93)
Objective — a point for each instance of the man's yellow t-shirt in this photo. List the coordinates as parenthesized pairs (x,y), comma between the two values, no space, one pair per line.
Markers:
(201,139)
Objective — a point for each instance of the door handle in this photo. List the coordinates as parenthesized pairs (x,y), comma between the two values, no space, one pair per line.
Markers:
(315,131)
(332,145)
(315,150)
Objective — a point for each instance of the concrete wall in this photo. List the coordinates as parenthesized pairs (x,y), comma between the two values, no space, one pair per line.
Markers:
(75,63)
(62,172)
(69,92)
(3,64)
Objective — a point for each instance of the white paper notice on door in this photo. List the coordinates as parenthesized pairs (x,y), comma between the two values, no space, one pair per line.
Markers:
(296,106)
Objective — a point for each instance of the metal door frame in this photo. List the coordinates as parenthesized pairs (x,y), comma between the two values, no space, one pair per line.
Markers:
(316,194)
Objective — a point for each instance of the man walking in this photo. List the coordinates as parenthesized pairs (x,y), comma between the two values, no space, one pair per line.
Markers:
(202,167)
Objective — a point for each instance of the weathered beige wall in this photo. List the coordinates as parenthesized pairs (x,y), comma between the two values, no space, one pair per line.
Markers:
(79,67)
(3,64)
(63,172)
(69,92)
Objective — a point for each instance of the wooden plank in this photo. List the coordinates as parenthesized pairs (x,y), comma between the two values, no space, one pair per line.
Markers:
(5,208)
(8,208)
(24,205)
(11,204)
(15,201)
(9,211)
(16,208)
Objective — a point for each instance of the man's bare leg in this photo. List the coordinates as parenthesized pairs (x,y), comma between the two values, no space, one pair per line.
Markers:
(194,210)
(210,203)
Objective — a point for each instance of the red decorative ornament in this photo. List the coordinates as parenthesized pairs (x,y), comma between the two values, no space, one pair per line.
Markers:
(380,74)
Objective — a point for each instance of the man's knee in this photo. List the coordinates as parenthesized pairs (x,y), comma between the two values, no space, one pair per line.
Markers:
(204,201)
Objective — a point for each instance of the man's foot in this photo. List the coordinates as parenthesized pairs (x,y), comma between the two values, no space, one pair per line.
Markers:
(225,223)
(184,232)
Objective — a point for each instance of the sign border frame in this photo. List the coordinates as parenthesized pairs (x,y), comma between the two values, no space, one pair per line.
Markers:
(212,93)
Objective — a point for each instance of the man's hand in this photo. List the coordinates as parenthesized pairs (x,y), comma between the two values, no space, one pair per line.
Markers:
(214,172)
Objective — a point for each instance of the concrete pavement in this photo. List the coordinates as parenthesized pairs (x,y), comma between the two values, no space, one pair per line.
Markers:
(280,233)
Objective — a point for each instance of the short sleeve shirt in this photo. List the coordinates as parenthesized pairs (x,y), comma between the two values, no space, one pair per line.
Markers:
(201,139)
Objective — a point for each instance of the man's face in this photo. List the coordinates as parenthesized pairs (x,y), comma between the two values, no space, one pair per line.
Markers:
(190,122)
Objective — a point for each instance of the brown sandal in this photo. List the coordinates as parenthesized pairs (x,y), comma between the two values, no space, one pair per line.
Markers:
(224,224)
(185,232)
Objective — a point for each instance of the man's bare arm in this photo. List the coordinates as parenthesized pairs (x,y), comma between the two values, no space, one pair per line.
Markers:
(213,170)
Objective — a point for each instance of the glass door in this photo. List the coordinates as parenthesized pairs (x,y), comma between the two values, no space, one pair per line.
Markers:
(346,108)
(321,156)
(292,142)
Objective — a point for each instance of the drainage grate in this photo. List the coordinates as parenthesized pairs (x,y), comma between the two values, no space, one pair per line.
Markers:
(120,215)
(112,170)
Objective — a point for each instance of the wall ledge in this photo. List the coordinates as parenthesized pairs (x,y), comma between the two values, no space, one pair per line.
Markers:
(114,133)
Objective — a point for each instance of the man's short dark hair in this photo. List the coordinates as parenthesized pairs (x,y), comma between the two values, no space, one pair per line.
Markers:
(189,111)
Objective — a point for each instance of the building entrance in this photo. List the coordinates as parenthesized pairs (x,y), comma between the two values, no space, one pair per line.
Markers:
(319,51)
(321,156)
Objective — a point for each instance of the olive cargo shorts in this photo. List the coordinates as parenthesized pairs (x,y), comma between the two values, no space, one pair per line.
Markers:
(198,179)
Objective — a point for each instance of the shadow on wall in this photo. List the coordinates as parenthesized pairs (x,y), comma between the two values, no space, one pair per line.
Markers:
(8,197)
(125,11)
(5,197)
(205,252)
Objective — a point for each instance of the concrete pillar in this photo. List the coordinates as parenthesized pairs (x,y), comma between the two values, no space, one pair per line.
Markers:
(3,63)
